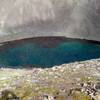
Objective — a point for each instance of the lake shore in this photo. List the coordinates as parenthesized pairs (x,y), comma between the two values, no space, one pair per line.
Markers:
(55,82)
(16,37)
(49,41)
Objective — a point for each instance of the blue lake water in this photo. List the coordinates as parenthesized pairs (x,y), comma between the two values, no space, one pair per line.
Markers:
(32,54)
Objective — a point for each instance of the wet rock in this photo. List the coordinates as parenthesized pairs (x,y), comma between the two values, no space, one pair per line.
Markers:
(8,95)
(97,86)
(48,97)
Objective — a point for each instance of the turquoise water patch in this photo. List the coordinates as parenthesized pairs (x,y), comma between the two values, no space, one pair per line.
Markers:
(31,54)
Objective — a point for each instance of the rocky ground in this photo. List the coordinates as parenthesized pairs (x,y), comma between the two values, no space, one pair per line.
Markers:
(74,81)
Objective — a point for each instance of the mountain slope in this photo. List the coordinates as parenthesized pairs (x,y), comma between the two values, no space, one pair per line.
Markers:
(70,18)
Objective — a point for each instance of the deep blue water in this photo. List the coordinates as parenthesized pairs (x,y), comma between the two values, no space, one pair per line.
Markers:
(33,54)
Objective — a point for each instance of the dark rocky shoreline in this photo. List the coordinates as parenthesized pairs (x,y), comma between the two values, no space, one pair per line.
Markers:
(43,41)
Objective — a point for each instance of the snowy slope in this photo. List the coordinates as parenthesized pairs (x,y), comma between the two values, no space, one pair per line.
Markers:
(70,18)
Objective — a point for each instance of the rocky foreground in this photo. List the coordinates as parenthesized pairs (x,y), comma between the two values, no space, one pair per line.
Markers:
(74,81)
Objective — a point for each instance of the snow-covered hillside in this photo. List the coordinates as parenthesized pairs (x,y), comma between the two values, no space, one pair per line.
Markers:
(70,18)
